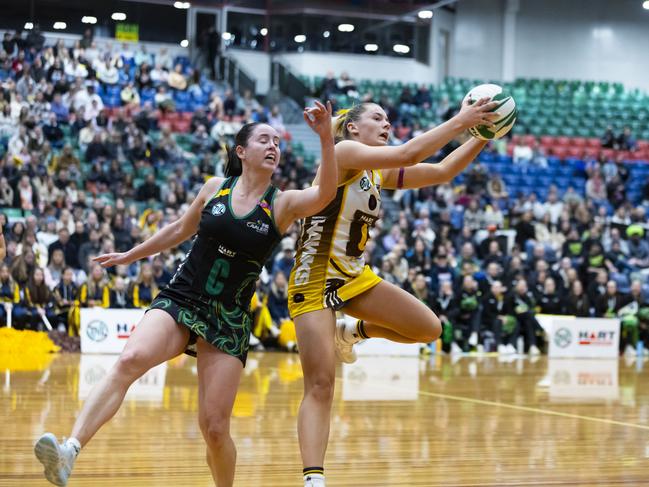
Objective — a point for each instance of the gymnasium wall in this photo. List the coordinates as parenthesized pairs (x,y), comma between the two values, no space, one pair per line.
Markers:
(584,39)
(571,39)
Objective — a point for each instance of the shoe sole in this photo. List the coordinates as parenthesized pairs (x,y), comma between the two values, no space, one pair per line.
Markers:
(47,452)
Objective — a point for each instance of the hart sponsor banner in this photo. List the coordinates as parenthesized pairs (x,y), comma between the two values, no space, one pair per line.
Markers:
(381,379)
(93,368)
(581,337)
(583,380)
(107,330)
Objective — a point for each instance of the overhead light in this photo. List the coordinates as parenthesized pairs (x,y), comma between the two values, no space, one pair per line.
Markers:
(326,34)
(182,5)
(184,43)
(28,26)
(60,25)
(645,5)
(88,19)
(371,47)
(425,14)
(300,38)
(226,36)
(401,49)
(118,16)
(346,28)
(264,31)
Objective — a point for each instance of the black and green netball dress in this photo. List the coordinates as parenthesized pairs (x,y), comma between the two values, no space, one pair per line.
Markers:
(211,291)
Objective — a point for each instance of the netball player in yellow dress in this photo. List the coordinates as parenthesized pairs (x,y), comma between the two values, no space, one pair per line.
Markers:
(330,273)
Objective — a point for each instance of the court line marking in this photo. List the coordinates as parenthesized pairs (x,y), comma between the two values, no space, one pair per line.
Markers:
(530,409)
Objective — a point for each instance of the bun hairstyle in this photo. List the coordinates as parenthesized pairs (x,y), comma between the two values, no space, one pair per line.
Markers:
(344,117)
(234,167)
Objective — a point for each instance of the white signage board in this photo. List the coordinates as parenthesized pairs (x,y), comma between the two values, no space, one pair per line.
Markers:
(107,330)
(569,336)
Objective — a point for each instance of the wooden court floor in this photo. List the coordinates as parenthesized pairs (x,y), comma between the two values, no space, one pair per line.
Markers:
(396,422)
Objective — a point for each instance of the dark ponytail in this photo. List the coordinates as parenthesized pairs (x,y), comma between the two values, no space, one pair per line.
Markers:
(234,166)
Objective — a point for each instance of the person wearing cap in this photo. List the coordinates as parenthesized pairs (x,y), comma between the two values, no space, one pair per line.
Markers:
(638,247)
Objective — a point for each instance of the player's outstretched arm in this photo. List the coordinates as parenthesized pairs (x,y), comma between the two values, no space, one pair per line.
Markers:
(296,204)
(351,154)
(168,237)
(426,174)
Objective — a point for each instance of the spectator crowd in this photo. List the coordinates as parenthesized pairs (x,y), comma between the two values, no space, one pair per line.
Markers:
(100,148)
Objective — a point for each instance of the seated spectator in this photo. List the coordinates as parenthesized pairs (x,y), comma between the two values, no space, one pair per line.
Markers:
(65,307)
(38,301)
(130,96)
(443,307)
(95,292)
(176,79)
(120,298)
(521,305)
(634,320)
(465,316)
(608,139)
(144,289)
(625,141)
(611,302)
(496,321)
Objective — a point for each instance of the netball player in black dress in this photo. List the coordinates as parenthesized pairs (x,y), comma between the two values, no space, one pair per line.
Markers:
(237,221)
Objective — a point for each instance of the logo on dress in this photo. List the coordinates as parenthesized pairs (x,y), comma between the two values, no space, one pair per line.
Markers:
(259,227)
(218,209)
(365,183)
(227,252)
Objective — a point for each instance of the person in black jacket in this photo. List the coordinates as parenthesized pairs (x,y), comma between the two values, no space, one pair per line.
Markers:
(65,296)
(442,307)
(119,296)
(465,315)
(551,302)
(496,320)
(608,305)
(578,303)
(521,303)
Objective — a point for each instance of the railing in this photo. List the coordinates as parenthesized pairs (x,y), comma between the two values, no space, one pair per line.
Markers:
(236,76)
(287,83)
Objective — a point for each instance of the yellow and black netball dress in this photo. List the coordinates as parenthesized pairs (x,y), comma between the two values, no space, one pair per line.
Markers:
(329,265)
(211,291)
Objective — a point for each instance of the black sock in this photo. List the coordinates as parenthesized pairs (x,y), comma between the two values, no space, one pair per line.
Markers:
(360,329)
(312,471)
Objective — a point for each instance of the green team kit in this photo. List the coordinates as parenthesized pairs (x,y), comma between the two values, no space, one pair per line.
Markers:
(211,291)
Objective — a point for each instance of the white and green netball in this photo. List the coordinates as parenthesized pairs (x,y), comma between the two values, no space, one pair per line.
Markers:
(506,111)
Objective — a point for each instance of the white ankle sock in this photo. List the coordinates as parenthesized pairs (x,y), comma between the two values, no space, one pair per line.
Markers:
(75,444)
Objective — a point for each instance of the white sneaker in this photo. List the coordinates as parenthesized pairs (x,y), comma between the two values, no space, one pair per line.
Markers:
(510,349)
(344,349)
(473,339)
(534,350)
(456,349)
(629,351)
(57,458)
(502,349)
(314,480)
